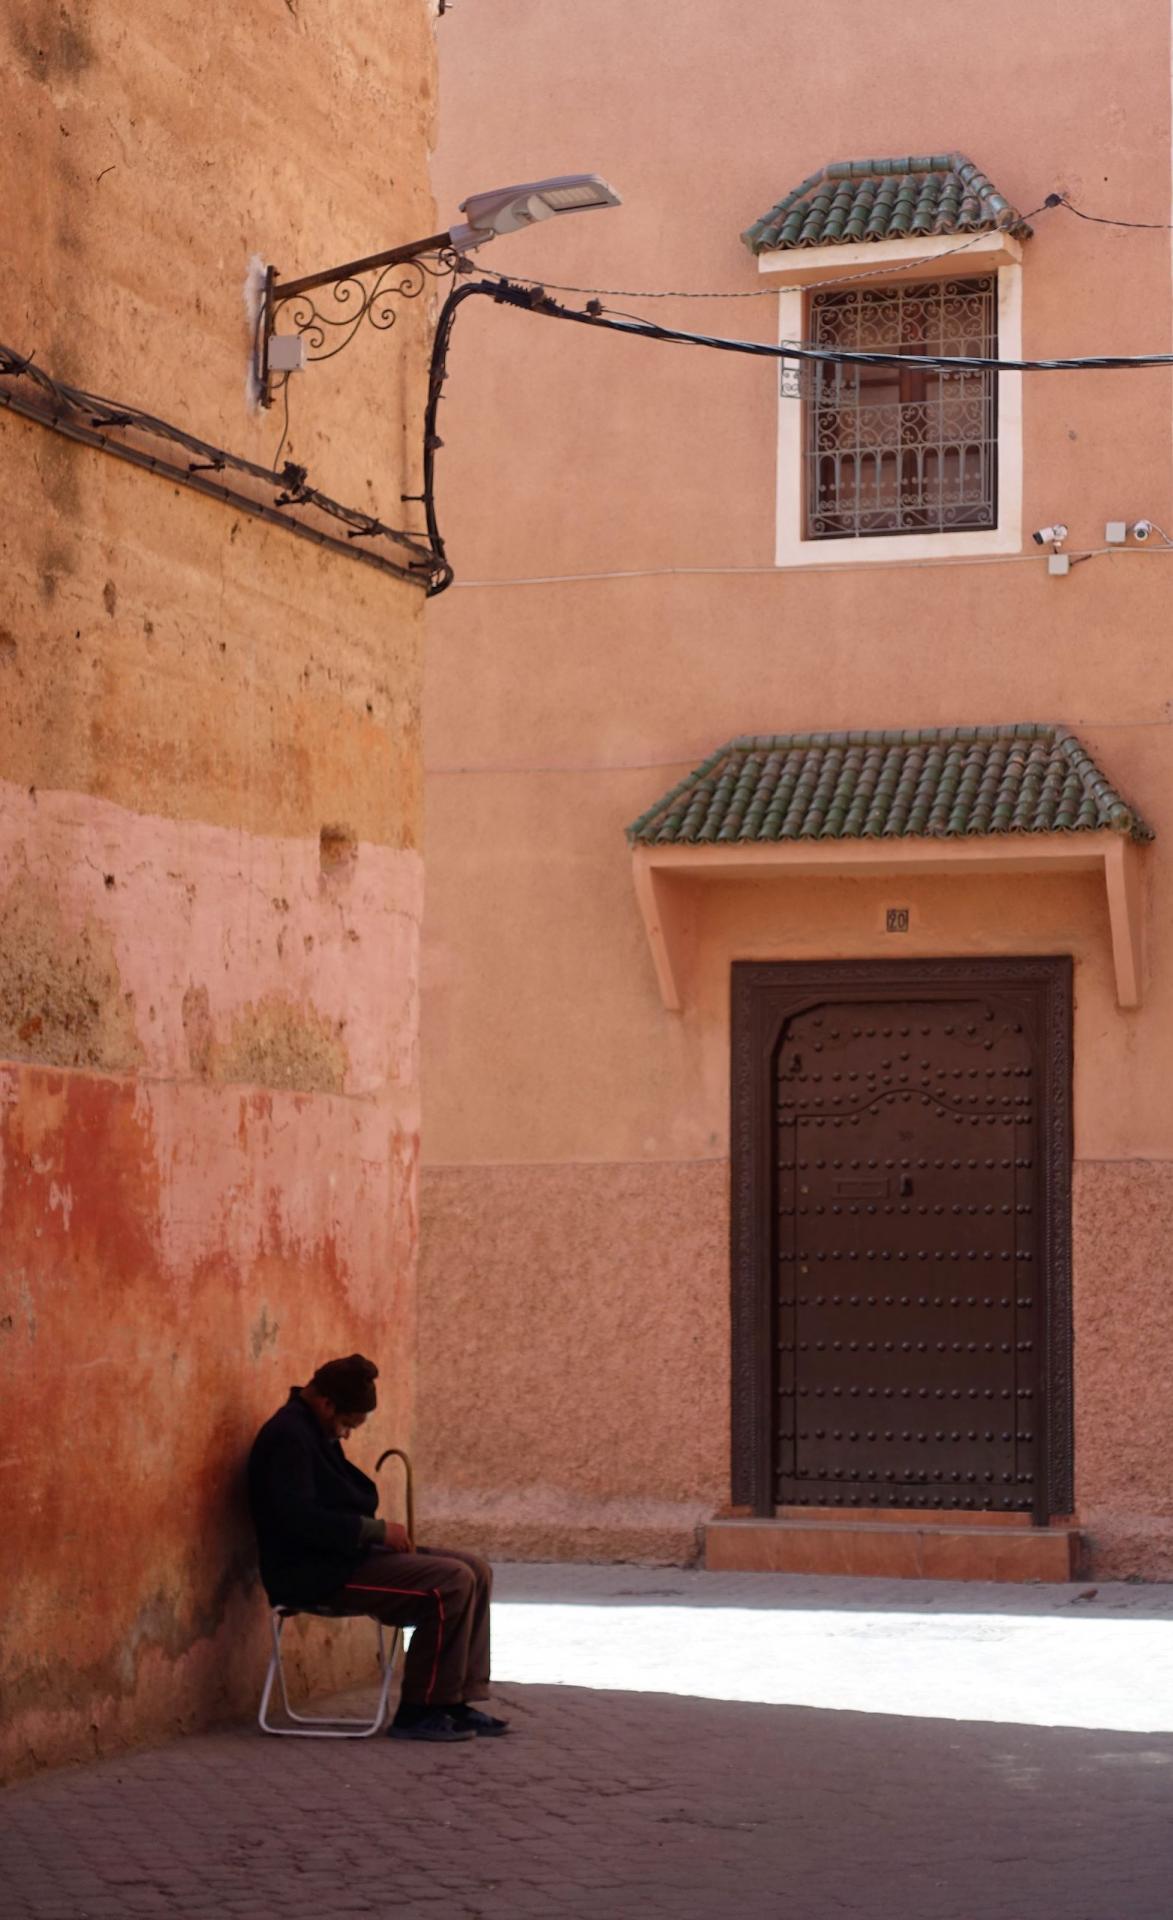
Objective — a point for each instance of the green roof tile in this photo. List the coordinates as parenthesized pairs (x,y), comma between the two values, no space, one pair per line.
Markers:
(852,200)
(928,783)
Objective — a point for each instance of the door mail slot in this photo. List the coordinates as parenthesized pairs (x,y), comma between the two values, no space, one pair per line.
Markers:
(872,1186)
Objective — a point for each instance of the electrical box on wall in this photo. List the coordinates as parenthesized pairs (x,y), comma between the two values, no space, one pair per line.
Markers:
(286,353)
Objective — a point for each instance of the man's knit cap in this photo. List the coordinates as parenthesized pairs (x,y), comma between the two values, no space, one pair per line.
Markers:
(348,1384)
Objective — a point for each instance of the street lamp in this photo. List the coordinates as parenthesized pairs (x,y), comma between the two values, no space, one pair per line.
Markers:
(320,335)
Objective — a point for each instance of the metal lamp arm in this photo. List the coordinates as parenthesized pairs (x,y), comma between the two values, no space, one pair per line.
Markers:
(285,289)
(360,290)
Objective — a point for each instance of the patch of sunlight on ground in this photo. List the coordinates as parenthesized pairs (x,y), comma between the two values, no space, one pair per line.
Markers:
(1029,1671)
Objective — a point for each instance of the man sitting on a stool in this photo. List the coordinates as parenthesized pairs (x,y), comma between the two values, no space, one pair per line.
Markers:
(322,1546)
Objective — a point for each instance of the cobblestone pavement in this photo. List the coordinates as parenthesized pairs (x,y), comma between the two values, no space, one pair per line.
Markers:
(617,1803)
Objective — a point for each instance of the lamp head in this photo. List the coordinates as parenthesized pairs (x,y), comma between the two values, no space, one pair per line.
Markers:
(509,209)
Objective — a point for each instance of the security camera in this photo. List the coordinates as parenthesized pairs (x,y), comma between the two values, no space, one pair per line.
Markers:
(1143,530)
(1050,536)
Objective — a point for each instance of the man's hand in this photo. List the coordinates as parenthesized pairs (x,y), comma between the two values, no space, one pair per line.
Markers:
(396,1538)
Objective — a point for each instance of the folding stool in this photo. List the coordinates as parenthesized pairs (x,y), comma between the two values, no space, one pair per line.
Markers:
(325,1726)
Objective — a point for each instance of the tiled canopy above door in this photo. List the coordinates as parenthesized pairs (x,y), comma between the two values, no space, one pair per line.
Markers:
(1023,797)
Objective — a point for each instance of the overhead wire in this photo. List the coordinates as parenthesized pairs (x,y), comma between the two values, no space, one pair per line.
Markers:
(1052,202)
(533,298)
(1103,220)
(888,272)
(284,423)
(512,769)
(829,566)
(537,301)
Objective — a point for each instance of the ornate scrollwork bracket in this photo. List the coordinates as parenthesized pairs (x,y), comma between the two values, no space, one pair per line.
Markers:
(361,291)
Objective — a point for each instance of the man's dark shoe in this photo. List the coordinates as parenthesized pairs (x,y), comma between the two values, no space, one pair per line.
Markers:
(485,1724)
(432,1723)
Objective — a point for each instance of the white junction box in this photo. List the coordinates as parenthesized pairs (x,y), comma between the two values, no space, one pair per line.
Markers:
(286,353)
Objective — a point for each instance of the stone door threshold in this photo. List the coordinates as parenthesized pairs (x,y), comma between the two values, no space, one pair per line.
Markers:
(945,1547)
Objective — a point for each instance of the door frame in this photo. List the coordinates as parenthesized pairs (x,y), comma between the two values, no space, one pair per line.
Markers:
(764,994)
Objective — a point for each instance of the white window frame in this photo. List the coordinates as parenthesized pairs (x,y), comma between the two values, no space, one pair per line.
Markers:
(795,271)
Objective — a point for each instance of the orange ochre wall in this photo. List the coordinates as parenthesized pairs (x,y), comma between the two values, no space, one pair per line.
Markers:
(210,865)
(574,1303)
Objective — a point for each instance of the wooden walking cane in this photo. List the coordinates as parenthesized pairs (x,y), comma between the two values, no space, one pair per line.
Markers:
(398,1453)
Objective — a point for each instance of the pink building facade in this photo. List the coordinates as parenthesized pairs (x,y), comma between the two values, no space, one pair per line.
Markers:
(757,713)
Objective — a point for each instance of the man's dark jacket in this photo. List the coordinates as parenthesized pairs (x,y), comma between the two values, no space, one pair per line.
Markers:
(309,1504)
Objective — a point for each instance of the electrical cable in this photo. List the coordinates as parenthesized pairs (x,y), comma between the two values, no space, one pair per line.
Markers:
(1050,204)
(513,769)
(531,301)
(437,375)
(829,566)
(95,420)
(1102,220)
(888,272)
(536,300)
(284,425)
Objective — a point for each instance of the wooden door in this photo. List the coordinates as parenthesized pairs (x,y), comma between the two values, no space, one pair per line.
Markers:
(900,1219)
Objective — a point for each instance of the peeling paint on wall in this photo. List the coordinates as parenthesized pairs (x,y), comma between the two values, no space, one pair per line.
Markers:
(276,1043)
(207,955)
(203,1268)
(263,1333)
(62,999)
(272,1043)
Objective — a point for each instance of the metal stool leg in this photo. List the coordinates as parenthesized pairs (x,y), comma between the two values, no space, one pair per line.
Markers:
(324,1726)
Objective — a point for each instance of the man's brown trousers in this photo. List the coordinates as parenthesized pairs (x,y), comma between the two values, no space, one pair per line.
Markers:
(444,1595)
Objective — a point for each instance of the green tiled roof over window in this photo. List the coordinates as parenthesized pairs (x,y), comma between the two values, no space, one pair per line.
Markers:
(851,200)
(933,783)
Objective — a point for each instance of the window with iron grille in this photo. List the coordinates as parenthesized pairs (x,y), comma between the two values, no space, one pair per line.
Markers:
(903,450)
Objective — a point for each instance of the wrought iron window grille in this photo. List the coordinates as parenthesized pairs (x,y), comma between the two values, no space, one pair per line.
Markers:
(890,450)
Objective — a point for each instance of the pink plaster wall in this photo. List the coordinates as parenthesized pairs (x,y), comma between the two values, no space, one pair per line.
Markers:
(212,1187)
(581,1327)
(664,457)
(210,823)
(581,665)
(1124,1320)
(205,928)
